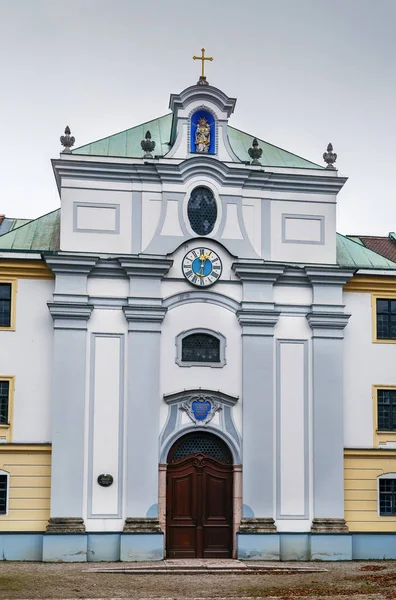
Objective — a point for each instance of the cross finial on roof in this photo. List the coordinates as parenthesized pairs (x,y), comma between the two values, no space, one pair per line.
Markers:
(202,79)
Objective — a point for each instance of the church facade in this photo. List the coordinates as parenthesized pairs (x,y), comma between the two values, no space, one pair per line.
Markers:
(194,362)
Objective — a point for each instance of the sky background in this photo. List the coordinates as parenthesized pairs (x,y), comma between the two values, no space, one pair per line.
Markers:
(305,72)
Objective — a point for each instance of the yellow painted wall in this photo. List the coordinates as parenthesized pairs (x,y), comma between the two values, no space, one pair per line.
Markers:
(30,486)
(362,468)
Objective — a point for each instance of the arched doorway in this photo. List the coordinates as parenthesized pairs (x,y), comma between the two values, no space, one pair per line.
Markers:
(199,498)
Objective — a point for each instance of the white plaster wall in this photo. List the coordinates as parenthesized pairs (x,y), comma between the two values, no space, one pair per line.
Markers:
(27,354)
(366,364)
(293,328)
(251,212)
(174,378)
(83,241)
(303,252)
(108,287)
(151,212)
(286,294)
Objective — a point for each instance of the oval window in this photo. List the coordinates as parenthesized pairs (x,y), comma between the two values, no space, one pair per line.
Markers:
(202,210)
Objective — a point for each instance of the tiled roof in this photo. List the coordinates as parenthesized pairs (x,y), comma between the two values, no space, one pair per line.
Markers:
(126,144)
(381,244)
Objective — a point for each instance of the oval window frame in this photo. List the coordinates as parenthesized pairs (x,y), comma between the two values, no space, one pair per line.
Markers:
(213,231)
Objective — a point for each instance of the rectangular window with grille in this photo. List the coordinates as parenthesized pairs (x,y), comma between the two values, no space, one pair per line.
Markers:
(4,401)
(3,494)
(387,497)
(5,304)
(386,319)
(386,403)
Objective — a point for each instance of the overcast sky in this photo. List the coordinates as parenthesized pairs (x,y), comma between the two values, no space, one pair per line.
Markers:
(305,72)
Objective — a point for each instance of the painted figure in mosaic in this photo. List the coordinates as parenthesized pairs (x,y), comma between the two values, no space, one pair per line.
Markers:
(202,136)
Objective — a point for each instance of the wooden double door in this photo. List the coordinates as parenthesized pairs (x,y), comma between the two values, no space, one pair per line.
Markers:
(199,508)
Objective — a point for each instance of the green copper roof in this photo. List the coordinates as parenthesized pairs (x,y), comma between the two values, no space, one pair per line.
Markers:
(39,235)
(272,155)
(352,254)
(126,144)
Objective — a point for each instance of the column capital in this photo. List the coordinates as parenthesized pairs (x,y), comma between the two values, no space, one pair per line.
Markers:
(144,314)
(70,315)
(255,270)
(328,275)
(258,318)
(327,324)
(71,275)
(154,267)
(71,264)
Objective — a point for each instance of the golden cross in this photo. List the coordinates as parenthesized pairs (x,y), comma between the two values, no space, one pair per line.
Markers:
(203,58)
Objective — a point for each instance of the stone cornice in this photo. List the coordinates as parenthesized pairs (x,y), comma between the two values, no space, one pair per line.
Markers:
(70,311)
(73,264)
(258,317)
(328,275)
(202,93)
(185,394)
(144,312)
(257,271)
(144,266)
(171,171)
(327,320)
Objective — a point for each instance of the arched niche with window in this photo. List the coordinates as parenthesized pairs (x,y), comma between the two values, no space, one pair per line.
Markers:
(202,210)
(202,133)
(200,348)
(387,495)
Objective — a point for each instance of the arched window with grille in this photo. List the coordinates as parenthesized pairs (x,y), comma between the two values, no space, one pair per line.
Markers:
(200,348)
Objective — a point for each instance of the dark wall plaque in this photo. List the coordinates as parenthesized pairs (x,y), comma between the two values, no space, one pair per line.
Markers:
(105,480)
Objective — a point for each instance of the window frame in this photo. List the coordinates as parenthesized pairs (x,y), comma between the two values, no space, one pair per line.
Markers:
(374,298)
(6,428)
(380,477)
(7,474)
(214,365)
(14,286)
(381,436)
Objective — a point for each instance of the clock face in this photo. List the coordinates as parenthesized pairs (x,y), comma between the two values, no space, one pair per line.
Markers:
(202,267)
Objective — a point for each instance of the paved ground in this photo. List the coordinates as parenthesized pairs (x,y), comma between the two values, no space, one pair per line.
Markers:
(364,581)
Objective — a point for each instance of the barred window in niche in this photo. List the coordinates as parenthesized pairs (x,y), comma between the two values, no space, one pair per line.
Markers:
(201,347)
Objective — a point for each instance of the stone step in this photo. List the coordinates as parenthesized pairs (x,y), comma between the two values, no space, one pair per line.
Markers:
(209,570)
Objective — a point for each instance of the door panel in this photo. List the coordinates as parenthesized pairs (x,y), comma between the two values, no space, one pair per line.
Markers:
(199,508)
(181,510)
(217,510)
